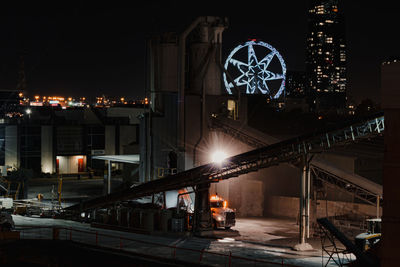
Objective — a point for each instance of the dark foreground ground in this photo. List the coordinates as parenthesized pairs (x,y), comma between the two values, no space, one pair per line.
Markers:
(269,239)
(68,253)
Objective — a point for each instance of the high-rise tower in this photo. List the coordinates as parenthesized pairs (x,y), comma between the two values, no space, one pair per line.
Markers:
(326,55)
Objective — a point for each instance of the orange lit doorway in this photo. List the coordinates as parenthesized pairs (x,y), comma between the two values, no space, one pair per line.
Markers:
(57,165)
(80,165)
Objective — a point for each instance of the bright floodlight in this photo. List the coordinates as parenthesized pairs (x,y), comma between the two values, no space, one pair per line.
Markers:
(28,111)
(218,156)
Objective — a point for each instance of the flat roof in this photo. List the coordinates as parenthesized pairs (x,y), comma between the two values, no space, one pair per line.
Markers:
(133,158)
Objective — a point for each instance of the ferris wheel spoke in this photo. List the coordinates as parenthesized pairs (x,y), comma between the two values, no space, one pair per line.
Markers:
(239,81)
(267,59)
(251,56)
(237,63)
(264,88)
(250,89)
(273,76)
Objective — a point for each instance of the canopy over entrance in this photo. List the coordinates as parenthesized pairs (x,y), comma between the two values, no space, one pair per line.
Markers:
(134,159)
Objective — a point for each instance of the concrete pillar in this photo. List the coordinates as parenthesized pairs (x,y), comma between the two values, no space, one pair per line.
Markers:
(109,135)
(109,177)
(11,146)
(202,209)
(302,223)
(47,154)
(304,208)
(391,165)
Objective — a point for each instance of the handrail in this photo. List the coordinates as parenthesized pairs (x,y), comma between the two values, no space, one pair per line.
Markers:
(96,236)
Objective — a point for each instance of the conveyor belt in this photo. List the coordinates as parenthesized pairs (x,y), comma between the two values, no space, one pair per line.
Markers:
(363,258)
(264,157)
(360,187)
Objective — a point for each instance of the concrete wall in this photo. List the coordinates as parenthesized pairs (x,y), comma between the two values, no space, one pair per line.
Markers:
(47,153)
(131,113)
(109,135)
(192,129)
(164,133)
(11,146)
(168,67)
(127,135)
(343,162)
(282,206)
(289,207)
(247,196)
(370,168)
(391,168)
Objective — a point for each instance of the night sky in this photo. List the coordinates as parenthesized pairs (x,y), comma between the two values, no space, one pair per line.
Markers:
(88,50)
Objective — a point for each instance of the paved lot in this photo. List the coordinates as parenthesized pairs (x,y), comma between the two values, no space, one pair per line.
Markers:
(261,238)
(268,239)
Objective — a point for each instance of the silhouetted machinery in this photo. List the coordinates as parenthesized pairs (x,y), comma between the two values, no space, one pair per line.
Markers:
(365,241)
(330,233)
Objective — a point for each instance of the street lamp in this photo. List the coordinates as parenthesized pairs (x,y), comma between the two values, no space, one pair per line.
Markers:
(28,111)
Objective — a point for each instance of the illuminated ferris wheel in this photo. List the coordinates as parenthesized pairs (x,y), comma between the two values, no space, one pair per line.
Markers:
(255,67)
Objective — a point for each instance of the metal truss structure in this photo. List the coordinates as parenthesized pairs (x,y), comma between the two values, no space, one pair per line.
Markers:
(344,185)
(292,149)
(286,151)
(352,133)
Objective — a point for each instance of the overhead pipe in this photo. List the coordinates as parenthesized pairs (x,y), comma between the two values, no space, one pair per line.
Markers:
(181,91)
(203,104)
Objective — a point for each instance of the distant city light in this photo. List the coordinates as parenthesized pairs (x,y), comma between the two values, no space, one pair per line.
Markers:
(28,111)
(76,102)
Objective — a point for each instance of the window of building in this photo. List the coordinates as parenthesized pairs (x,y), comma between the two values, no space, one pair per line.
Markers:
(30,148)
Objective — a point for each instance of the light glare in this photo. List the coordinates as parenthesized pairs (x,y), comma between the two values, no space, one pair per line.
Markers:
(218,156)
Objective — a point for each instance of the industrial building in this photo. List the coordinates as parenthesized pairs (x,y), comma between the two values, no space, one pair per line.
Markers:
(53,141)
(192,116)
(276,159)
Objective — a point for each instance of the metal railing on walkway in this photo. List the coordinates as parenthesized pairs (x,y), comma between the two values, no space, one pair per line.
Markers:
(146,248)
